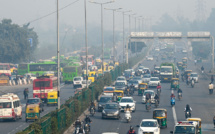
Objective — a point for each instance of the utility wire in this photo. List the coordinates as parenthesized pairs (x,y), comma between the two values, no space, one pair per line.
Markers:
(52,12)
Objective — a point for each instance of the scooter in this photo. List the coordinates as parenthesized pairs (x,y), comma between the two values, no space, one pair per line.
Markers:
(87,128)
(128,116)
(187,114)
(179,96)
(92,111)
(172,102)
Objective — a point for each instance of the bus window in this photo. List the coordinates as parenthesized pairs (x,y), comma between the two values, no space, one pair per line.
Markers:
(42,84)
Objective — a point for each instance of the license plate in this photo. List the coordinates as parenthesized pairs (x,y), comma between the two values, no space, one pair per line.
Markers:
(165,78)
(109,114)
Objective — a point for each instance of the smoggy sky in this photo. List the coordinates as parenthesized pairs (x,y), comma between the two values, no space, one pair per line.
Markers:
(23,11)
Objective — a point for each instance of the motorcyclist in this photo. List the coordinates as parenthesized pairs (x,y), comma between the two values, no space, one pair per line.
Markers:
(131,131)
(78,123)
(211,87)
(180,91)
(88,121)
(182,76)
(92,104)
(157,98)
(158,87)
(202,68)
(172,95)
(188,109)
(192,81)
(148,97)
(127,108)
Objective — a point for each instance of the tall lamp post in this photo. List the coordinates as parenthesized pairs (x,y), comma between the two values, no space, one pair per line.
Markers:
(102,37)
(58,58)
(123,45)
(114,49)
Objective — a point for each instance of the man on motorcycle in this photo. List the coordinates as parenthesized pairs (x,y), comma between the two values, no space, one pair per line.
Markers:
(92,104)
(211,87)
(188,109)
(131,131)
(127,108)
(78,123)
(88,121)
(148,97)
(172,95)
(202,68)
(180,91)
(157,98)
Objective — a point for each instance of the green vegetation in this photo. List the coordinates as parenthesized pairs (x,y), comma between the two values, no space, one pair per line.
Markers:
(201,49)
(15,46)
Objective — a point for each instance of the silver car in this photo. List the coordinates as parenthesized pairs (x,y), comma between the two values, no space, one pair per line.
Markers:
(195,76)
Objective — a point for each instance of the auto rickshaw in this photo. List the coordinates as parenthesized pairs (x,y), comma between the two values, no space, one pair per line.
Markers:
(110,68)
(184,60)
(32,112)
(52,98)
(199,120)
(174,83)
(179,64)
(119,94)
(161,115)
(91,76)
(141,88)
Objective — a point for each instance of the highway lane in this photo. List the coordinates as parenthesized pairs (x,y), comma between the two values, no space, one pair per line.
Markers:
(10,127)
(198,98)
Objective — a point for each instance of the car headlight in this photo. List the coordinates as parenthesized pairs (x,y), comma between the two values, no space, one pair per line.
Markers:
(100,105)
(116,112)
(103,111)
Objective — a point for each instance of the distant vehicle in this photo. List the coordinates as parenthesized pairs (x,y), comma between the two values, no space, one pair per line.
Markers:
(77,82)
(157,49)
(120,85)
(134,82)
(71,71)
(127,101)
(5,69)
(186,127)
(10,107)
(146,78)
(152,96)
(121,79)
(103,100)
(195,76)
(138,78)
(128,74)
(132,71)
(140,68)
(149,126)
(108,91)
(184,51)
(154,81)
(146,71)
(30,76)
(111,110)
(150,58)
(42,85)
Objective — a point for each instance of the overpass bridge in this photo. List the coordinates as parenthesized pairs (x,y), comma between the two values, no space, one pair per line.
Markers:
(137,40)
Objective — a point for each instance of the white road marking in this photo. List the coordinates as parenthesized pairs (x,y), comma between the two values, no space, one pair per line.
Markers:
(174,115)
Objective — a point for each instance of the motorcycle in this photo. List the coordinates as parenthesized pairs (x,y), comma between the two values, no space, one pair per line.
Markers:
(192,83)
(179,96)
(156,103)
(148,106)
(158,91)
(128,116)
(187,114)
(87,128)
(92,111)
(172,102)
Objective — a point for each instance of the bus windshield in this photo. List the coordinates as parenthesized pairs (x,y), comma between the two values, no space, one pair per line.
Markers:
(5,105)
(42,84)
(4,67)
(43,67)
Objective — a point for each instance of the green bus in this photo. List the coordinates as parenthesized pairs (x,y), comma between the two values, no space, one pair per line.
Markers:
(69,72)
(37,68)
(107,53)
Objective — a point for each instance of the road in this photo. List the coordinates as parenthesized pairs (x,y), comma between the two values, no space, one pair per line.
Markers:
(197,97)
(11,127)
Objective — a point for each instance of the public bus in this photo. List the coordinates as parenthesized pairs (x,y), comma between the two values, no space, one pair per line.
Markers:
(42,85)
(5,69)
(90,60)
(38,69)
(71,71)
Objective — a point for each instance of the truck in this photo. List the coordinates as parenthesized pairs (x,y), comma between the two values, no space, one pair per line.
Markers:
(167,71)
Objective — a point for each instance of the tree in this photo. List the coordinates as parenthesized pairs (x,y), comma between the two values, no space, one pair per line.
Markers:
(14,44)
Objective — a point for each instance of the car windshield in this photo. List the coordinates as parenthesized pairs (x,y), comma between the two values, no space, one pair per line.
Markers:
(159,113)
(152,93)
(142,86)
(33,101)
(111,106)
(149,124)
(120,84)
(133,82)
(168,70)
(154,79)
(126,100)
(120,78)
(5,105)
(77,79)
(184,130)
(146,76)
(194,75)
(105,99)
(109,89)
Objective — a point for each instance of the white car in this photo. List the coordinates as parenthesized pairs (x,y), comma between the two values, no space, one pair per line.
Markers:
(121,79)
(146,71)
(146,78)
(149,126)
(77,82)
(152,96)
(127,101)
(132,71)
(31,76)
(154,81)
(150,58)
(195,76)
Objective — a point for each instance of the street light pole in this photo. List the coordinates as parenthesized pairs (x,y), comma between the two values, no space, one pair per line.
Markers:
(102,38)
(114,49)
(58,58)
(86,42)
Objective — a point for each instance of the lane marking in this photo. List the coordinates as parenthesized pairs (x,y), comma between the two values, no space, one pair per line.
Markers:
(174,115)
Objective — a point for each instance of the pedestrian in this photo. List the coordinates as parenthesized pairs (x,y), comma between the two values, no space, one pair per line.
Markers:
(212,78)
(26,93)
(195,61)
